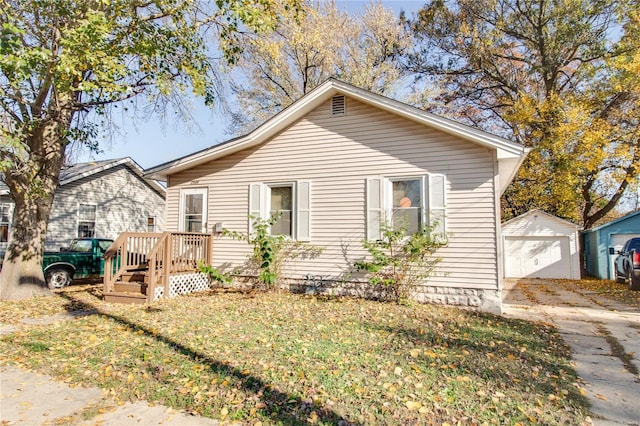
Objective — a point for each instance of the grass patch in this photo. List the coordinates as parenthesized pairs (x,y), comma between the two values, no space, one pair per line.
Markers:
(618,351)
(279,358)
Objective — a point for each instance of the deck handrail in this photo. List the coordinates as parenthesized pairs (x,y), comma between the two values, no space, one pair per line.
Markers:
(127,253)
(157,266)
(161,254)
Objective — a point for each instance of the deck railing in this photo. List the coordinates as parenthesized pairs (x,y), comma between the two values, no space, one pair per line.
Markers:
(157,254)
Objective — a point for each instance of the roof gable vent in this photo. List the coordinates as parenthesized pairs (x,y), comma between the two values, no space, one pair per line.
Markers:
(337,105)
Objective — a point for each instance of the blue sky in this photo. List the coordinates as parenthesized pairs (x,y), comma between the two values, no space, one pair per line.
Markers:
(155,141)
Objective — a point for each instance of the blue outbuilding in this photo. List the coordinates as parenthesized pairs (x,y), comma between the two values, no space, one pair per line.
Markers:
(600,245)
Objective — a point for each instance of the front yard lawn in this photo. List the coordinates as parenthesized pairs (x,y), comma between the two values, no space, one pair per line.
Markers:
(279,358)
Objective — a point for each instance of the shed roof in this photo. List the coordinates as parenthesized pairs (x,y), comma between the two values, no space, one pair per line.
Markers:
(615,221)
(534,212)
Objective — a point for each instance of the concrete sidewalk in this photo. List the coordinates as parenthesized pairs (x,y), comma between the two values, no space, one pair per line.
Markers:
(585,320)
(28,398)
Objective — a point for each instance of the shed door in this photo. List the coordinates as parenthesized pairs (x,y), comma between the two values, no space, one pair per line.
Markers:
(617,242)
(537,257)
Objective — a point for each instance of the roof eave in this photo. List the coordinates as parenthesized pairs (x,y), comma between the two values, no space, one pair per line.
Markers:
(315,98)
(127,161)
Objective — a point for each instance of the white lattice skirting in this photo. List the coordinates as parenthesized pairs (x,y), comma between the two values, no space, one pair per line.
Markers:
(190,282)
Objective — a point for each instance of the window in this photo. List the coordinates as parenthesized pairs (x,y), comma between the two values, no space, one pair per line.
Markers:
(406,205)
(5,218)
(81,246)
(411,203)
(151,224)
(281,203)
(86,221)
(290,200)
(193,210)
(104,245)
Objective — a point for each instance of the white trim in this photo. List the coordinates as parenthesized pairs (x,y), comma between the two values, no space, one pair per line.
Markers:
(542,212)
(261,193)
(155,225)
(267,204)
(388,197)
(95,219)
(506,149)
(9,207)
(303,210)
(374,207)
(205,201)
(426,201)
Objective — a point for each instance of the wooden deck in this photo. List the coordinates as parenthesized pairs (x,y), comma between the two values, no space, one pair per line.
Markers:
(139,266)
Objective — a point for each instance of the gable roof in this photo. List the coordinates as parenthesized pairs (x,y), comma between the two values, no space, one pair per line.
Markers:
(78,171)
(534,212)
(615,221)
(82,170)
(510,154)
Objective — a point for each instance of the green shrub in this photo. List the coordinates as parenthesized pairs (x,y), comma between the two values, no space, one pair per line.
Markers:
(215,274)
(399,262)
(271,252)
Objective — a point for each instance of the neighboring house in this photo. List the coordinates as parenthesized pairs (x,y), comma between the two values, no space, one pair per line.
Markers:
(540,245)
(97,199)
(601,244)
(335,164)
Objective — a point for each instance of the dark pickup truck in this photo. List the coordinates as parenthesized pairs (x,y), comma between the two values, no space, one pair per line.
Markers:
(627,264)
(84,258)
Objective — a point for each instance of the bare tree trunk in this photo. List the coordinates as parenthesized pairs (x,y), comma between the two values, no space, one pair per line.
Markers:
(21,275)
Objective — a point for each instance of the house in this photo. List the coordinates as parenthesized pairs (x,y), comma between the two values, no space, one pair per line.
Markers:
(540,245)
(601,244)
(335,164)
(98,198)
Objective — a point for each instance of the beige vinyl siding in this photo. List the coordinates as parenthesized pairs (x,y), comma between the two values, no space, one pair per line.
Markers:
(123,203)
(337,154)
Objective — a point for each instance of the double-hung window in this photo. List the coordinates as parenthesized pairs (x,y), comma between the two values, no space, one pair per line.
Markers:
(406,204)
(280,200)
(410,203)
(289,201)
(5,218)
(87,221)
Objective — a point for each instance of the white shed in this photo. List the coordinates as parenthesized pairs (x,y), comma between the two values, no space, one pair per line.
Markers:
(540,245)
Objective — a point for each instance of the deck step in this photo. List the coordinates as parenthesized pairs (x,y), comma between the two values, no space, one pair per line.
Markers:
(134,276)
(122,297)
(130,287)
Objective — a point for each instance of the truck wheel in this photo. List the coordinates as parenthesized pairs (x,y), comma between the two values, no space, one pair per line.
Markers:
(620,279)
(634,283)
(58,278)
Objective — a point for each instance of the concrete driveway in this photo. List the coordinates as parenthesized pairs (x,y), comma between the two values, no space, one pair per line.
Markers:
(600,332)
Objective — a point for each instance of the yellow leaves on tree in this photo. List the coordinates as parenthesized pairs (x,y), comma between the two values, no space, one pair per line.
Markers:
(311,45)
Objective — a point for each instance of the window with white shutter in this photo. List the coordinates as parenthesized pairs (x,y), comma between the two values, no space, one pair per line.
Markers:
(409,203)
(290,200)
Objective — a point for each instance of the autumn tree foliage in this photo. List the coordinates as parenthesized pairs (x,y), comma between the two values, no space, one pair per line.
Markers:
(62,60)
(556,75)
(307,48)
